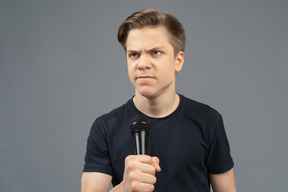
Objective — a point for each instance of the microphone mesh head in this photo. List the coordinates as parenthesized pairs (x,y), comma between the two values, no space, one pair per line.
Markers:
(140,123)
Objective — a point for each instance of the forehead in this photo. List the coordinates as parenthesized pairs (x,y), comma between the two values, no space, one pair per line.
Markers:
(148,36)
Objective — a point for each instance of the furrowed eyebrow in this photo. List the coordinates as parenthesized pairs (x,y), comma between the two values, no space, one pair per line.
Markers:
(131,51)
(149,50)
(156,48)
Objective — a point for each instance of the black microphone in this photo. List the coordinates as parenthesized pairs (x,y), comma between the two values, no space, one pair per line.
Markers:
(140,127)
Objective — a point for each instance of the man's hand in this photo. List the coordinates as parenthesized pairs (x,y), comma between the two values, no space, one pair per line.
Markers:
(139,174)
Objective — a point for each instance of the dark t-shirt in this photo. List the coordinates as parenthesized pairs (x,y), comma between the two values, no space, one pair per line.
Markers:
(191,143)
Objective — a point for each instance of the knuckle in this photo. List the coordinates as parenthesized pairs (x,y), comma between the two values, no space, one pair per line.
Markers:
(132,176)
(130,166)
(151,170)
(154,180)
(134,186)
(128,158)
(152,188)
(155,160)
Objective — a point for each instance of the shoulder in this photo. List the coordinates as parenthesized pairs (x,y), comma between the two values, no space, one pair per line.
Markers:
(114,118)
(115,113)
(199,110)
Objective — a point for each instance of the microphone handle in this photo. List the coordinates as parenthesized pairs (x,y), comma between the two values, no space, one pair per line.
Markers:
(143,142)
(137,142)
(140,138)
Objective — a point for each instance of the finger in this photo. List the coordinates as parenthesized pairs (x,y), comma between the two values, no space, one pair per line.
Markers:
(146,168)
(147,178)
(145,187)
(155,163)
(145,159)
(142,164)
(140,158)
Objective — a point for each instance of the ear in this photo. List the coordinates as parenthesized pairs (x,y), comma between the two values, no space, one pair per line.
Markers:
(179,61)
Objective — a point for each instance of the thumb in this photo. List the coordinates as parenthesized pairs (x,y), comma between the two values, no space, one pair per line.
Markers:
(155,163)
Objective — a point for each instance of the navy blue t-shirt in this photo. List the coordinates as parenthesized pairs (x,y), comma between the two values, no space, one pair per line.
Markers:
(191,143)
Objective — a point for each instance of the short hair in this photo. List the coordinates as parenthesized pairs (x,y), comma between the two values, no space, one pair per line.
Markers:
(154,18)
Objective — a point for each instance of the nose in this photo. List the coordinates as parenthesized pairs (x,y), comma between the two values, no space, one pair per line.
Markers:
(143,62)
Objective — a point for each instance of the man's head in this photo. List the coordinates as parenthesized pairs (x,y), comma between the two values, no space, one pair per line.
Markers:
(154,18)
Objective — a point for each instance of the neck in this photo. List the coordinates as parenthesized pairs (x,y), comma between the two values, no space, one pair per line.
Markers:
(157,107)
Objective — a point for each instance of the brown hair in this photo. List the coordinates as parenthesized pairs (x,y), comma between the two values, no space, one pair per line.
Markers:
(154,18)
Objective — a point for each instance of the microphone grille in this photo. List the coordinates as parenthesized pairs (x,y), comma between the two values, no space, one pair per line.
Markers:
(140,123)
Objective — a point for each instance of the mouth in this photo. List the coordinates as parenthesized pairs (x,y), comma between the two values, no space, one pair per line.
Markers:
(144,77)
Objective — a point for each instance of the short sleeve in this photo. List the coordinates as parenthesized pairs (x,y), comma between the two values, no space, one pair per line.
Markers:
(97,157)
(219,158)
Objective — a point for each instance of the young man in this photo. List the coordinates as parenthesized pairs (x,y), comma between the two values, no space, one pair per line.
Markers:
(187,139)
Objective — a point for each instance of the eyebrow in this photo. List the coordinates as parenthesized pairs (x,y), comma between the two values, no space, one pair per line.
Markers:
(149,50)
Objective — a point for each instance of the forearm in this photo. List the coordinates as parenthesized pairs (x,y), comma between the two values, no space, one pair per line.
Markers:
(95,182)
(117,188)
(224,182)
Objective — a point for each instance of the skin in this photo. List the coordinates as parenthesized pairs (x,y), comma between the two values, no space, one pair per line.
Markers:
(139,175)
(152,67)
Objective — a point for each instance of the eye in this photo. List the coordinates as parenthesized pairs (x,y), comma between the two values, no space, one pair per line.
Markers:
(156,52)
(133,55)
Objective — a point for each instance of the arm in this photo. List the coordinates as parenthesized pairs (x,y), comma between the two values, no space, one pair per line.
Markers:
(224,182)
(95,182)
(139,174)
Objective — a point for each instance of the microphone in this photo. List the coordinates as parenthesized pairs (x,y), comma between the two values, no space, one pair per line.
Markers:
(140,127)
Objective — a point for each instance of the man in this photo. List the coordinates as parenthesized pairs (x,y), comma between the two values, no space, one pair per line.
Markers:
(187,138)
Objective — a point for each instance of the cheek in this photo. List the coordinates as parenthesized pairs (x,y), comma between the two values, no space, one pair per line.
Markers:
(131,67)
(131,74)
(169,75)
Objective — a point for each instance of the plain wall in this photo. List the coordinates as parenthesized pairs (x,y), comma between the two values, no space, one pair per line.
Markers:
(61,66)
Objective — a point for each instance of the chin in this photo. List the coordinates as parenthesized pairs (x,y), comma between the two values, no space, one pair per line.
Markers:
(146,93)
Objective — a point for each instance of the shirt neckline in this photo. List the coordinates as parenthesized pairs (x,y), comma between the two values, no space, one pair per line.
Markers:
(171,115)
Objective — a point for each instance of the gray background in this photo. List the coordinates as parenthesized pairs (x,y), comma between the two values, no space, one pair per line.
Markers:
(61,67)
